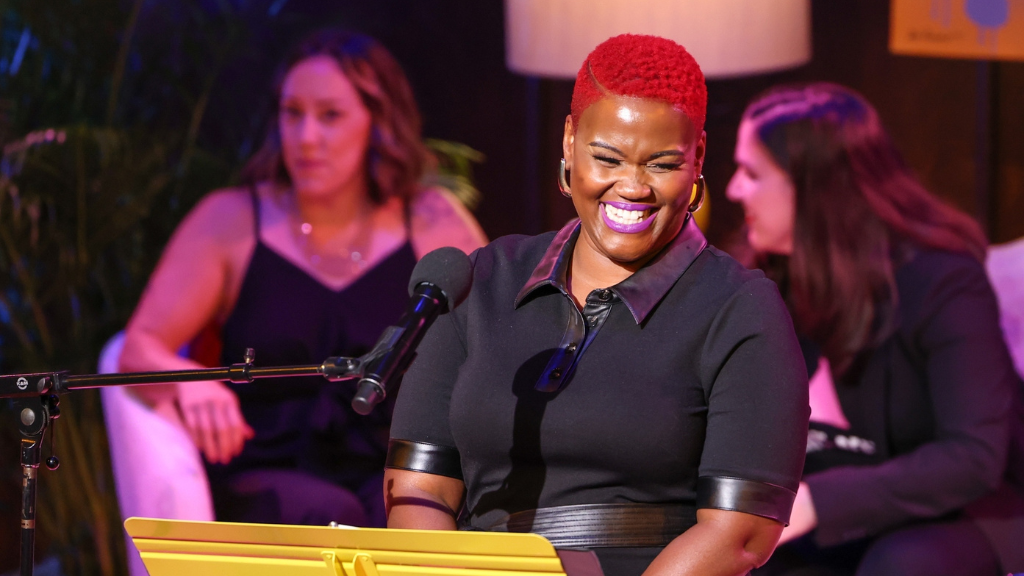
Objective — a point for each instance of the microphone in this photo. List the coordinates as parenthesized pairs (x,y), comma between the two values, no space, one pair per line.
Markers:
(439,282)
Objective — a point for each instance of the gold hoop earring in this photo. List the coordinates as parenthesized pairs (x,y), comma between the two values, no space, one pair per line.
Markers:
(563,184)
(697,198)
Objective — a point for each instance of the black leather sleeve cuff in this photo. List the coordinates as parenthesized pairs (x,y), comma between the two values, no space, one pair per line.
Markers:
(424,457)
(750,496)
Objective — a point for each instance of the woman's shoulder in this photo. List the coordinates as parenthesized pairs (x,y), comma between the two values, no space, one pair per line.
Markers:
(518,246)
(439,219)
(510,260)
(923,270)
(929,279)
(725,273)
(916,261)
(223,213)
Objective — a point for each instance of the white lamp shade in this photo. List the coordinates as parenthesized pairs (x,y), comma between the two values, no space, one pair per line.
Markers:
(551,38)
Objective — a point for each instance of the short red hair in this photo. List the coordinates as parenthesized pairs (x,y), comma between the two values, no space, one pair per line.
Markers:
(644,67)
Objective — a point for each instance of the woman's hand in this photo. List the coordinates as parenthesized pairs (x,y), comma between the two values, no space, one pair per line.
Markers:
(212,416)
(803,519)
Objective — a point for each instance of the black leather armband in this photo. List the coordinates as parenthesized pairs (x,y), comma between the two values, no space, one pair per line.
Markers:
(424,457)
(750,496)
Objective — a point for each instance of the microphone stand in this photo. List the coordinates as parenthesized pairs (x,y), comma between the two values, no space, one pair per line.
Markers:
(35,398)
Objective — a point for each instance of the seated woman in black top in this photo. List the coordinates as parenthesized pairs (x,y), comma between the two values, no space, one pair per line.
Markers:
(618,385)
(309,260)
(908,449)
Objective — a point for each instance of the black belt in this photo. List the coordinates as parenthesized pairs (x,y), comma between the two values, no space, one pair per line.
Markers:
(603,525)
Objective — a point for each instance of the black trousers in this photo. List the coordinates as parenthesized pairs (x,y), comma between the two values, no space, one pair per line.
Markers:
(952,548)
(279,496)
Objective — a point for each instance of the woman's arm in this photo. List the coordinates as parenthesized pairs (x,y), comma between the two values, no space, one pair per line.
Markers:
(722,543)
(756,387)
(423,485)
(439,219)
(421,501)
(185,293)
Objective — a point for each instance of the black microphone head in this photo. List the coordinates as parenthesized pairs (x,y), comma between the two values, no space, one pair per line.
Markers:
(447,268)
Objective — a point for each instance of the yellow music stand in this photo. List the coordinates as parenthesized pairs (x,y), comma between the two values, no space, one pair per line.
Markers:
(181,548)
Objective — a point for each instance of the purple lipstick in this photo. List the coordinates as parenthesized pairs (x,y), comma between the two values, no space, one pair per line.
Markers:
(623,217)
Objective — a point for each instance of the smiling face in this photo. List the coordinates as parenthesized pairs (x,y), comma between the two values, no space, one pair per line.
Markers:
(324,128)
(633,164)
(766,192)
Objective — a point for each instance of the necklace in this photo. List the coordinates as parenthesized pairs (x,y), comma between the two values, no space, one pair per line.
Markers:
(344,254)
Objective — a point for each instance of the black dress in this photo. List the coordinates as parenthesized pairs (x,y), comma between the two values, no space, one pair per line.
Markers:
(310,448)
(688,369)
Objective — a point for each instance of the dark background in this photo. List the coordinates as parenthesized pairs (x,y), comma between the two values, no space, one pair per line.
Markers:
(959,123)
(454,54)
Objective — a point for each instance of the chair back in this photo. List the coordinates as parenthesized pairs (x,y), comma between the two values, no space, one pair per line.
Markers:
(158,471)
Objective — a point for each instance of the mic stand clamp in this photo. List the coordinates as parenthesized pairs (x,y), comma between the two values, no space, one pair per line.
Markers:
(34,415)
(242,373)
(369,391)
(338,368)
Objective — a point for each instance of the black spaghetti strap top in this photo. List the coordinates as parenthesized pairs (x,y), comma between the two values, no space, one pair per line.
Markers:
(289,318)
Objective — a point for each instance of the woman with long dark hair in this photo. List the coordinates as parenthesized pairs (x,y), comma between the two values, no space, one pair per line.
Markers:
(915,405)
(309,259)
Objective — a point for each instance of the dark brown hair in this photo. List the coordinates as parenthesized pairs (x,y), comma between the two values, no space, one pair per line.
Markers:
(858,207)
(396,157)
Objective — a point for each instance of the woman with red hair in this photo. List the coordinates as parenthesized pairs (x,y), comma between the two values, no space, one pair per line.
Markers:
(619,385)
(915,406)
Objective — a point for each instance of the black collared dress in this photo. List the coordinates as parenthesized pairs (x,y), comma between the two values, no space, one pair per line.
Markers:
(670,387)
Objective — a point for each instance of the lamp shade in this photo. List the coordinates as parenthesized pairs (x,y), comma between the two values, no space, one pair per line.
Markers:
(551,38)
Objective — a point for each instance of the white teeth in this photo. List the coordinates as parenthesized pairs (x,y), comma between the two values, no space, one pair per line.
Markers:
(620,216)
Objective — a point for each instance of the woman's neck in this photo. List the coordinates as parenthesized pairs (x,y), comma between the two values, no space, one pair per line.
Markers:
(328,214)
(334,238)
(589,271)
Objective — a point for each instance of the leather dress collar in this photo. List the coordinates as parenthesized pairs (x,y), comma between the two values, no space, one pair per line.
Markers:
(642,291)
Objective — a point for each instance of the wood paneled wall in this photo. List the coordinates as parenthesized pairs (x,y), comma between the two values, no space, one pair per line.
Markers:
(454,53)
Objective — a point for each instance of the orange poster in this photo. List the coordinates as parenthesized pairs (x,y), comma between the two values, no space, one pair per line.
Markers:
(981,29)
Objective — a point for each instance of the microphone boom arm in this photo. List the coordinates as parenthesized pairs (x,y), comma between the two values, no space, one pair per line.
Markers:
(34,397)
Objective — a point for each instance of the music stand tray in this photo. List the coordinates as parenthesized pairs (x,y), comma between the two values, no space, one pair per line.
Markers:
(176,548)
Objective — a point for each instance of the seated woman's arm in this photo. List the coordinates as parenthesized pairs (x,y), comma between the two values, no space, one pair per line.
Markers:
(186,291)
